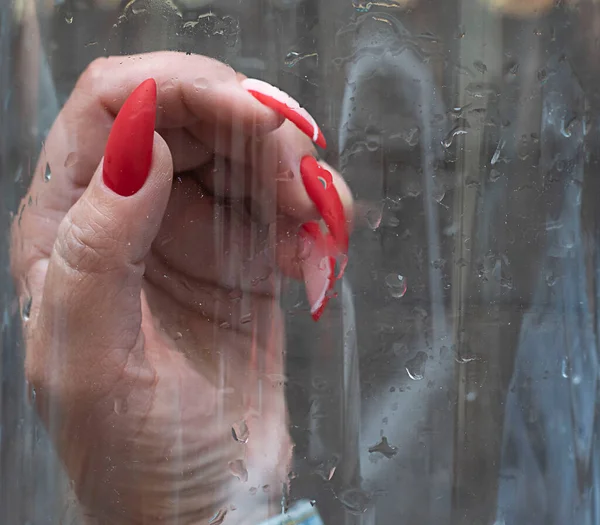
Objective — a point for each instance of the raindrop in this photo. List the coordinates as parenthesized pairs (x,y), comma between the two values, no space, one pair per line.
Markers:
(458,111)
(26,311)
(496,156)
(120,406)
(396,284)
(463,360)
(47,173)
(218,518)
(69,18)
(245,319)
(415,367)
(495,175)
(252,491)
(457,130)
(566,368)
(240,432)
(373,216)
(355,500)
(201,83)
(392,222)
(383,447)
(285,176)
(438,193)
(293,57)
(481,90)
(326,469)
(168,85)
(550,279)
(71,160)
(319,383)
(177,336)
(523,147)
(480,66)
(136,10)
(239,470)
(568,126)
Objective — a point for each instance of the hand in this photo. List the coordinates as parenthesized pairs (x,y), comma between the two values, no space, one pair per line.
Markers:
(148,283)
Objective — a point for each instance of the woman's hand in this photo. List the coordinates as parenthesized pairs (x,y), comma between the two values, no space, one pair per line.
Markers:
(148,283)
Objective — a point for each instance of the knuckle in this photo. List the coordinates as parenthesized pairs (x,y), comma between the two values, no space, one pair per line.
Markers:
(95,71)
(87,247)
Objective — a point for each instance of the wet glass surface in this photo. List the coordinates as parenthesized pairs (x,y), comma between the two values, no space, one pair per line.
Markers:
(453,379)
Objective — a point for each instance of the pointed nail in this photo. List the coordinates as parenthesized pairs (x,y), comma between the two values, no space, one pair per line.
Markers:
(128,154)
(317,270)
(285,105)
(318,183)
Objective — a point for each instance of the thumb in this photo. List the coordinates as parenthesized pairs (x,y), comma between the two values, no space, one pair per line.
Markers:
(92,291)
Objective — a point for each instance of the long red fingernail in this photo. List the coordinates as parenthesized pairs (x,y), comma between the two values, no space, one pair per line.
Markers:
(128,153)
(317,270)
(321,190)
(285,105)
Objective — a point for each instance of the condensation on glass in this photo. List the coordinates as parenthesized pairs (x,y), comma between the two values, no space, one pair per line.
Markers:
(453,378)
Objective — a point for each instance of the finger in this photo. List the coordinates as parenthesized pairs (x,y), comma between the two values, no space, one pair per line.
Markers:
(93,283)
(191,89)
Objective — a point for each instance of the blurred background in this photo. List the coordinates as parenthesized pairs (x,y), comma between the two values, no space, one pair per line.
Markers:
(468,131)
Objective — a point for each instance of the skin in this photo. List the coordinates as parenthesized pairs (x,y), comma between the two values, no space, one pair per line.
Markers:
(146,338)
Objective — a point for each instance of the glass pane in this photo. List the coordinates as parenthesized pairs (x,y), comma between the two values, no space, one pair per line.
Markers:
(186,337)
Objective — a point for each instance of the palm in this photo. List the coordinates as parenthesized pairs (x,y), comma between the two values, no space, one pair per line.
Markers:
(200,377)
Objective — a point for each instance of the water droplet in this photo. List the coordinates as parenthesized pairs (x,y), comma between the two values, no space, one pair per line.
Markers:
(120,406)
(252,491)
(285,176)
(168,85)
(326,469)
(471,396)
(240,432)
(47,173)
(383,447)
(550,279)
(454,132)
(566,368)
(201,83)
(373,216)
(415,367)
(218,518)
(495,175)
(480,66)
(568,126)
(481,90)
(497,153)
(32,394)
(438,193)
(245,319)
(69,18)
(239,470)
(396,284)
(293,57)
(177,336)
(319,383)
(464,359)
(26,311)
(138,9)
(71,160)
(355,500)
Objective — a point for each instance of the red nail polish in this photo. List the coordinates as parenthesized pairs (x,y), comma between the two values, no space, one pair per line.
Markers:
(317,270)
(321,190)
(128,153)
(286,106)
